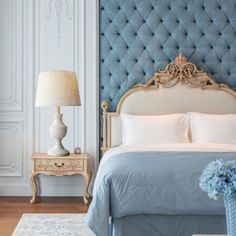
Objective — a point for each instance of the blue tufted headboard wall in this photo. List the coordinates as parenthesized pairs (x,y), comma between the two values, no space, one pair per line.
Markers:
(139,37)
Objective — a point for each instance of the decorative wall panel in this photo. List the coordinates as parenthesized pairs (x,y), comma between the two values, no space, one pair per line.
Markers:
(11,55)
(11,144)
(139,37)
(13,95)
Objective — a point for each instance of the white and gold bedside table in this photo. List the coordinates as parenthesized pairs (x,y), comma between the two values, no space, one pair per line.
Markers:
(60,166)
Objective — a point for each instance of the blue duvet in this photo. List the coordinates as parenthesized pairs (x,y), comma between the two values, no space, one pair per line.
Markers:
(151,183)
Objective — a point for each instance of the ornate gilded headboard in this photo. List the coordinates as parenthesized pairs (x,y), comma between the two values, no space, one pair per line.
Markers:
(179,88)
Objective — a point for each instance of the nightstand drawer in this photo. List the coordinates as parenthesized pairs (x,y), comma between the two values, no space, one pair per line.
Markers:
(58,164)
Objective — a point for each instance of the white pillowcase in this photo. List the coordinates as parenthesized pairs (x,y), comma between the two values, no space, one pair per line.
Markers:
(211,128)
(140,129)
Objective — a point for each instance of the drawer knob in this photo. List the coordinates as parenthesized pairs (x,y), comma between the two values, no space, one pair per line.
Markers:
(59,165)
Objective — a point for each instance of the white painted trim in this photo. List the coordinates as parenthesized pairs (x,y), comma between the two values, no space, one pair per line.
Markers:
(92,80)
(29,45)
(36,57)
(97,82)
(80,45)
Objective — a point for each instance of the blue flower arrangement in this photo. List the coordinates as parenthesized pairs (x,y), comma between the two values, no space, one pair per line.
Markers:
(219,178)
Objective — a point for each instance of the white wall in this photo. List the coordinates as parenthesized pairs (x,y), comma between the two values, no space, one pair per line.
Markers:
(28,45)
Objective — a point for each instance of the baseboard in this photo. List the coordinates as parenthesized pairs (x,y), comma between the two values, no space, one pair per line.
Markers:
(49,190)
(49,186)
(15,190)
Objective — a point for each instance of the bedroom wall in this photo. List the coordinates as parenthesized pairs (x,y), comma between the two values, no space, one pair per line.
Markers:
(29,44)
(139,37)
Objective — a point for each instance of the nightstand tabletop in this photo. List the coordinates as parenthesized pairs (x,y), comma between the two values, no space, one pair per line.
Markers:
(71,156)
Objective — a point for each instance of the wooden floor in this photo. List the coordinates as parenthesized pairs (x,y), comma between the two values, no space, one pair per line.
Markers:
(12,208)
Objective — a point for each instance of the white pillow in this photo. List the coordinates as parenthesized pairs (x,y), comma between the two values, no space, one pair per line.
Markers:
(211,128)
(139,129)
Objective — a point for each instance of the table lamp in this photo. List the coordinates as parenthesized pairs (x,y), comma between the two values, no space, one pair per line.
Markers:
(57,88)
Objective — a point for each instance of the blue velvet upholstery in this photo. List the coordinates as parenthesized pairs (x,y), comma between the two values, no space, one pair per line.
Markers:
(138,37)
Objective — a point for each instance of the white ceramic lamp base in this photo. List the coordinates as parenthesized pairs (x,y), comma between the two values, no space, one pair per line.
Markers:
(58,131)
(58,150)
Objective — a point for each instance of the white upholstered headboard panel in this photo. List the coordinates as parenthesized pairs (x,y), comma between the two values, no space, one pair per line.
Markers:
(179,88)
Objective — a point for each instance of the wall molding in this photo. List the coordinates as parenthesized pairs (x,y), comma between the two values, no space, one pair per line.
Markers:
(79,67)
(92,80)
(12,131)
(16,119)
(15,100)
(56,7)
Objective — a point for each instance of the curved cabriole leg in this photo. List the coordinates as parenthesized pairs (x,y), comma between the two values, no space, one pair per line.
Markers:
(34,188)
(87,179)
(37,185)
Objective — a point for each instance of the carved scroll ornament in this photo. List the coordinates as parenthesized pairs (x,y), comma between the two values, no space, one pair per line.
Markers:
(181,71)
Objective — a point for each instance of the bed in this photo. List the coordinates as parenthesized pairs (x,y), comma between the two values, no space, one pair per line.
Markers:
(152,189)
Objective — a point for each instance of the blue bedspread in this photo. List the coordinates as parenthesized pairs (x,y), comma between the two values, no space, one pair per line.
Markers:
(152,183)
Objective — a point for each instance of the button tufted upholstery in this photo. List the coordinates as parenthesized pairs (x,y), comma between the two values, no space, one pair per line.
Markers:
(138,37)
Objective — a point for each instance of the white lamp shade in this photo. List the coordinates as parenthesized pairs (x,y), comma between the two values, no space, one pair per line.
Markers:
(58,88)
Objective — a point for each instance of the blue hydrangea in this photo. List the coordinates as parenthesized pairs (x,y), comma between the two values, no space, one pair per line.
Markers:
(219,177)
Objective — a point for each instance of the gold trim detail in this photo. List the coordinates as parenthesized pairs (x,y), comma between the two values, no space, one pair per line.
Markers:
(104,106)
(179,71)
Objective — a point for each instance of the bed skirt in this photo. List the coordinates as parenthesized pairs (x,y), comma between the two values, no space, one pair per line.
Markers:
(167,225)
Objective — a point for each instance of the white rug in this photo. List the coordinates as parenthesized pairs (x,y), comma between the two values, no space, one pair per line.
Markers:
(52,225)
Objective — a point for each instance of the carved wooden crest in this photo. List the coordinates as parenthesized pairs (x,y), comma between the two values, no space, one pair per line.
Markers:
(181,71)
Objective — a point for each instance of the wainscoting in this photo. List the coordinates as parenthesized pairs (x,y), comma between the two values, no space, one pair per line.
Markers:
(34,39)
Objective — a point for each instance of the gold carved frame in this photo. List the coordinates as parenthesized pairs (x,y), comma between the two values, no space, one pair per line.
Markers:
(179,71)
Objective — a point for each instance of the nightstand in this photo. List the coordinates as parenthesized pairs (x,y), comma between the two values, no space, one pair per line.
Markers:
(60,166)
